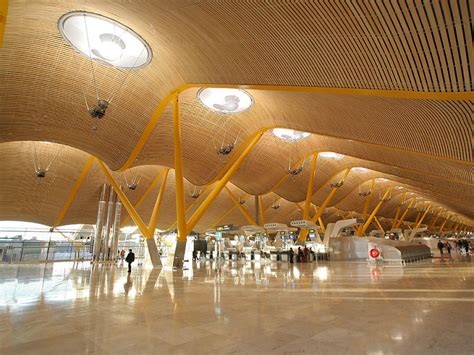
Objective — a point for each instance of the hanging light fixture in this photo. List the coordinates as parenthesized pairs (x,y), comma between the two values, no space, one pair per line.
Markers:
(289,135)
(224,100)
(105,40)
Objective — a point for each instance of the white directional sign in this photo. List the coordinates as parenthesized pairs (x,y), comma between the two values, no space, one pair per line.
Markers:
(303,223)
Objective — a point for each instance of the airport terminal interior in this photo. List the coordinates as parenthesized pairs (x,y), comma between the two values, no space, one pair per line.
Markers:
(239,177)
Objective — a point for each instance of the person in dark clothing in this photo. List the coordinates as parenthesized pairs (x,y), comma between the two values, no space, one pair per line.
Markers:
(448,248)
(130,259)
(300,256)
(440,247)
(291,254)
(306,254)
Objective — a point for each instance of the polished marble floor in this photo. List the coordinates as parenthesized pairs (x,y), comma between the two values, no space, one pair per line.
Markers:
(238,307)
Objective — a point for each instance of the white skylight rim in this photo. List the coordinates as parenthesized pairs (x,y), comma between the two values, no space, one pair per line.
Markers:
(331,155)
(105,40)
(225,100)
(289,135)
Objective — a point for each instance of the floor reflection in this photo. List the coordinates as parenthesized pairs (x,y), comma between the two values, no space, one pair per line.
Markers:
(234,306)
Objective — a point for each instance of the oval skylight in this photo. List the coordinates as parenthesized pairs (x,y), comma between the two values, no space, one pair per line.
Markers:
(331,155)
(104,40)
(289,135)
(225,100)
(362,170)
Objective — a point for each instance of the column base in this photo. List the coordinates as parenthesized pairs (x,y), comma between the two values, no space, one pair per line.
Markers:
(153,252)
(179,253)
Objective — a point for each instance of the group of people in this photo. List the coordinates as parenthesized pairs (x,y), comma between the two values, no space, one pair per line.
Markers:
(462,246)
(302,255)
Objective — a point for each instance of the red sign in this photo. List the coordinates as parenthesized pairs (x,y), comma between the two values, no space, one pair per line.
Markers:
(374,253)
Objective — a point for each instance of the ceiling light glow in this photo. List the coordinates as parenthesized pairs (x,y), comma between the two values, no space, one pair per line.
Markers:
(331,155)
(381,179)
(362,170)
(225,100)
(289,135)
(104,39)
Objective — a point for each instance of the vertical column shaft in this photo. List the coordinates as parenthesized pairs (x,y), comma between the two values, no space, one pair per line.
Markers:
(99,223)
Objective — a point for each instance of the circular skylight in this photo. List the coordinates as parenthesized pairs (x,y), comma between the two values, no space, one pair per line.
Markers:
(331,155)
(104,40)
(225,100)
(289,135)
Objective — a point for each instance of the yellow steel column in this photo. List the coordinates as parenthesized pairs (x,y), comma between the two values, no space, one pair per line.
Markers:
(396,217)
(178,168)
(329,197)
(418,215)
(125,201)
(261,210)
(378,224)
(365,211)
(309,190)
(374,212)
(240,207)
(220,184)
(321,224)
(3,18)
(442,225)
(157,206)
(73,192)
(402,218)
(423,217)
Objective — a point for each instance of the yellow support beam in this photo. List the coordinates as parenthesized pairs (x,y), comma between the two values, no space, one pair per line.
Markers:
(418,224)
(220,184)
(402,218)
(156,208)
(178,171)
(261,210)
(399,94)
(125,201)
(321,224)
(396,217)
(3,19)
(443,224)
(329,197)
(309,190)
(365,211)
(379,226)
(244,212)
(145,194)
(374,212)
(73,192)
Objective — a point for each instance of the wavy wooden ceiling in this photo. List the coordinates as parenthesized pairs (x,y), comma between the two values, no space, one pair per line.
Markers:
(423,145)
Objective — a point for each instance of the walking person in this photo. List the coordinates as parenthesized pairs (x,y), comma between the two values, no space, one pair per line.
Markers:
(291,254)
(440,247)
(448,248)
(130,259)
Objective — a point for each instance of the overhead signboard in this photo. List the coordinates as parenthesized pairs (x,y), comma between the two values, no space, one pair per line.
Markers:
(252,229)
(303,223)
(225,227)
